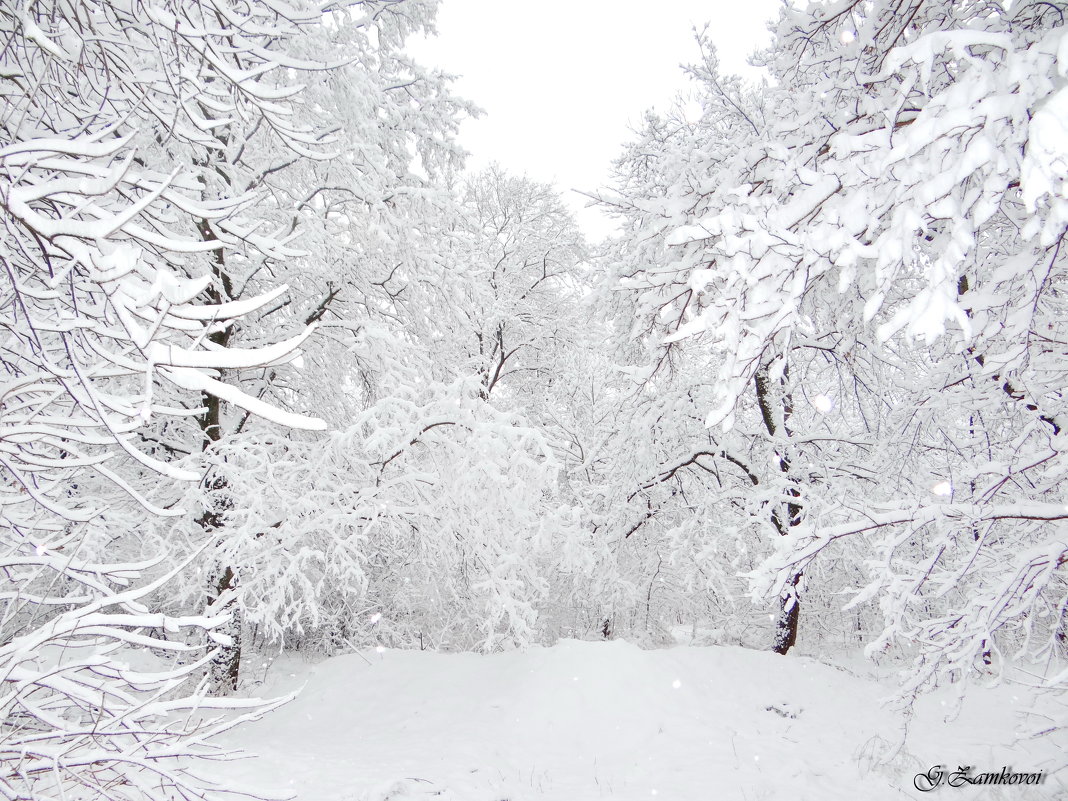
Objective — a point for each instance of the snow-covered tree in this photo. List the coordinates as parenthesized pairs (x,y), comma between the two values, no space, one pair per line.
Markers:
(429,517)
(118,217)
(871,247)
(354,158)
(524,255)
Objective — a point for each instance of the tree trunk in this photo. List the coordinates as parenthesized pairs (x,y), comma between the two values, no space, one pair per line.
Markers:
(789,615)
(226,665)
(789,618)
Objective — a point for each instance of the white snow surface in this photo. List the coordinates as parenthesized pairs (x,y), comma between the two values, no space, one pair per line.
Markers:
(595,720)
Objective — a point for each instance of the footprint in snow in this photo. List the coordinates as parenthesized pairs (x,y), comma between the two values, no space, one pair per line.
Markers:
(784,710)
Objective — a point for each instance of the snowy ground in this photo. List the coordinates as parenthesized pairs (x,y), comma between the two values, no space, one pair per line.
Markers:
(587,720)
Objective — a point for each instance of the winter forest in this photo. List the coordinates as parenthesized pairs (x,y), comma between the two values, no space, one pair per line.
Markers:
(281,377)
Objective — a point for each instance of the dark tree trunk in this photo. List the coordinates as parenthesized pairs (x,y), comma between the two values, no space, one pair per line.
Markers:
(226,665)
(789,616)
(788,621)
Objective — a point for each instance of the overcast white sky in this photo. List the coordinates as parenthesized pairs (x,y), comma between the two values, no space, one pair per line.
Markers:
(563,81)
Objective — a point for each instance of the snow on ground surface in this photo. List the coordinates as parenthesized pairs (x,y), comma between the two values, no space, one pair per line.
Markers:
(584,720)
